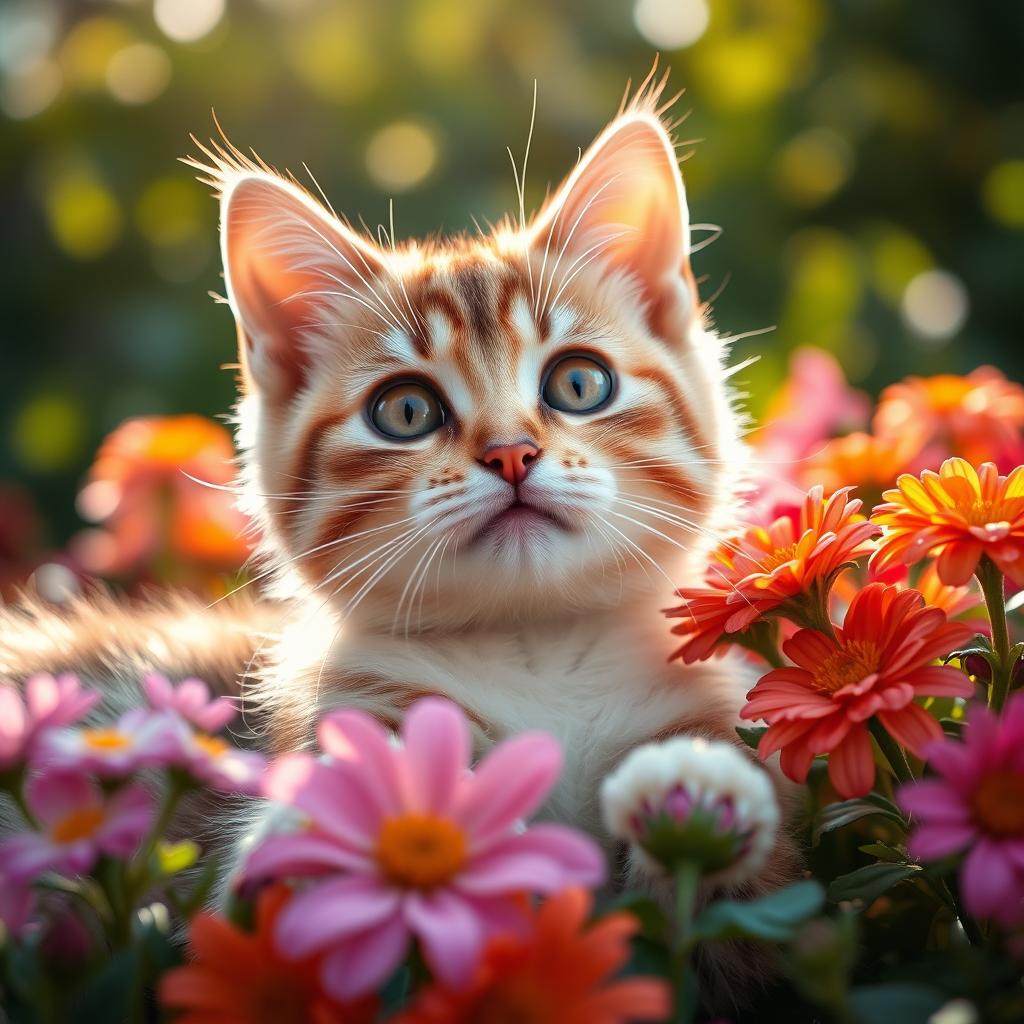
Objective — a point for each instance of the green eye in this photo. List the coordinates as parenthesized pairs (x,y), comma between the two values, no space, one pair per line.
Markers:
(577,384)
(406,410)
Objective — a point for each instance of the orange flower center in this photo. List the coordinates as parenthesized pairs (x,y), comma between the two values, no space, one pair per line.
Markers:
(518,1001)
(780,556)
(214,746)
(420,850)
(80,824)
(989,513)
(998,803)
(106,739)
(850,664)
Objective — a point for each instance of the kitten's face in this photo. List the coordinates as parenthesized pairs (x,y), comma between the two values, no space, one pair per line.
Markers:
(485,428)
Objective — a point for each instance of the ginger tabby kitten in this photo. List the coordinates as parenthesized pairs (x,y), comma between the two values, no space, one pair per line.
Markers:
(480,465)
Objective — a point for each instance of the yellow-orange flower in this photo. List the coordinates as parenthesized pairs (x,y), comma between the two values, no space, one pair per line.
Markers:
(560,973)
(754,573)
(956,515)
(979,417)
(143,488)
(859,460)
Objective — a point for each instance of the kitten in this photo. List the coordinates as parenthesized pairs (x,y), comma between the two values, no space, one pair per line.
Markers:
(482,464)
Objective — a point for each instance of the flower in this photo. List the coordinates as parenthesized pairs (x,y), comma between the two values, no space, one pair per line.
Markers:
(48,704)
(958,514)
(78,822)
(210,759)
(876,665)
(975,803)
(865,461)
(559,973)
(191,700)
(404,841)
(690,799)
(139,738)
(17,901)
(754,574)
(238,977)
(160,486)
(978,417)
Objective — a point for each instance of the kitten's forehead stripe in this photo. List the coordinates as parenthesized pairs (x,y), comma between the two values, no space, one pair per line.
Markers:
(685,419)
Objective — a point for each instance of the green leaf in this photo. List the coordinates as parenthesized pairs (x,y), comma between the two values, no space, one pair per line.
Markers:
(895,1003)
(653,922)
(751,735)
(848,811)
(884,852)
(774,917)
(869,882)
(175,857)
(110,996)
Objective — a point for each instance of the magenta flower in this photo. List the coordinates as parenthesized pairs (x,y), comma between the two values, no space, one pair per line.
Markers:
(191,700)
(139,738)
(48,703)
(405,841)
(976,803)
(219,763)
(17,901)
(77,823)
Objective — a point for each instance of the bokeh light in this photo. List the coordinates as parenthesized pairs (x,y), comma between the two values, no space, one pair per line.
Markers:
(138,73)
(1003,193)
(48,432)
(401,155)
(671,24)
(935,305)
(187,21)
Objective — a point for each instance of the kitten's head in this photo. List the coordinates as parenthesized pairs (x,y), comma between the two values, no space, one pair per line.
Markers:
(488,427)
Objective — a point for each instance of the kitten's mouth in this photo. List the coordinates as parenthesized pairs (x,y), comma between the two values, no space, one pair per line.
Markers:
(519,519)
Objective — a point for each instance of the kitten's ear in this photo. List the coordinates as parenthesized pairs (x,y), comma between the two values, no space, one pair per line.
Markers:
(282,252)
(625,206)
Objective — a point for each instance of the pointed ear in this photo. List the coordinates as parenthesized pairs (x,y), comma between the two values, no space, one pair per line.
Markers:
(283,258)
(624,205)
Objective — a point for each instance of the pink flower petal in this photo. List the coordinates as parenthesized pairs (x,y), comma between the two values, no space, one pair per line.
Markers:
(54,794)
(361,964)
(330,794)
(330,911)
(450,934)
(933,801)
(355,738)
(300,855)
(437,751)
(510,784)
(935,841)
(158,690)
(13,725)
(991,888)
(129,815)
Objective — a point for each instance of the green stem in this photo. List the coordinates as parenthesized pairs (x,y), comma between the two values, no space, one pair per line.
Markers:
(762,638)
(139,866)
(898,763)
(687,884)
(991,580)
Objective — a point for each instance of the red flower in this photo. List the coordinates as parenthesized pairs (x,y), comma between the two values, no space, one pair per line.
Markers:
(238,977)
(559,974)
(879,662)
(755,573)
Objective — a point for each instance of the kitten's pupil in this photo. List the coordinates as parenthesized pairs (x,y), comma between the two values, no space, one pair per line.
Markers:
(409,412)
(577,385)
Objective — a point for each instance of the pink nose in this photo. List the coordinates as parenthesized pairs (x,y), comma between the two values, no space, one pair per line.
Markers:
(511,462)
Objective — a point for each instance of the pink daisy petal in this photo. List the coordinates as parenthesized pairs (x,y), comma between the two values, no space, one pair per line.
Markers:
(331,911)
(53,795)
(935,841)
(436,742)
(933,801)
(450,934)
(355,738)
(511,782)
(300,855)
(129,815)
(364,962)
(990,885)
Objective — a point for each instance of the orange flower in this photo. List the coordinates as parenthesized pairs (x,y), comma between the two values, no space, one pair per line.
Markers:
(237,977)
(979,417)
(141,488)
(877,664)
(859,460)
(757,572)
(558,974)
(958,514)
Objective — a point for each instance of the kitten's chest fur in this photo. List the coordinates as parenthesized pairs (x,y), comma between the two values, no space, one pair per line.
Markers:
(599,683)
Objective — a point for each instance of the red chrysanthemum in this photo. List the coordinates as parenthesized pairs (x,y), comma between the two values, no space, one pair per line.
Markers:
(561,973)
(957,515)
(755,573)
(238,977)
(878,663)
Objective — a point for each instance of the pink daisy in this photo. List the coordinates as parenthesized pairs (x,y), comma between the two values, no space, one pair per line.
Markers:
(78,823)
(191,700)
(406,842)
(139,738)
(48,703)
(17,901)
(975,803)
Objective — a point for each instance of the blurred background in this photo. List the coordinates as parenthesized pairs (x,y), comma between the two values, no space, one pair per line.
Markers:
(865,159)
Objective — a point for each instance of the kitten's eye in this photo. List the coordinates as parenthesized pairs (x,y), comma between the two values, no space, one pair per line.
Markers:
(577,384)
(406,410)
